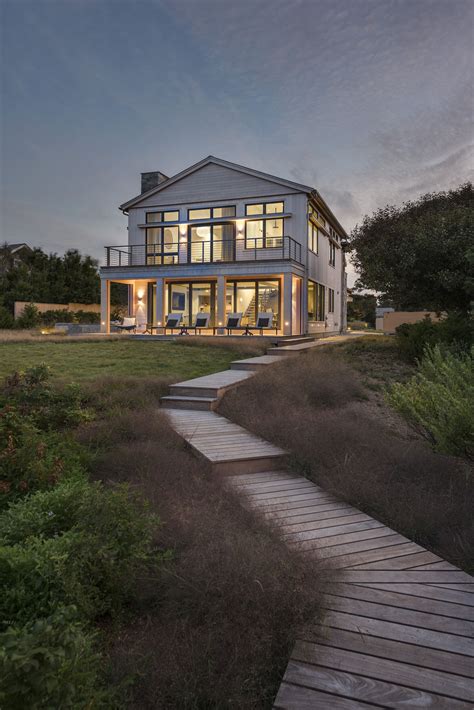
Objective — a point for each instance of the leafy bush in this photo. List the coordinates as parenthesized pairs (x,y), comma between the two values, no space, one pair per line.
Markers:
(63,315)
(455,331)
(439,400)
(31,460)
(6,318)
(50,408)
(88,560)
(29,318)
(50,663)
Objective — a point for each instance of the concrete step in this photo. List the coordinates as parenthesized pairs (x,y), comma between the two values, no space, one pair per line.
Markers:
(196,392)
(282,352)
(194,403)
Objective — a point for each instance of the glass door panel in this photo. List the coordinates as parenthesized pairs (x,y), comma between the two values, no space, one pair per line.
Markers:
(170,245)
(246,301)
(202,300)
(200,244)
(178,300)
(274,233)
(223,242)
(269,298)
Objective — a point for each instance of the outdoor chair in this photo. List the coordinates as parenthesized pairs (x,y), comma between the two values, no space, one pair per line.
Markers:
(264,322)
(128,325)
(232,323)
(173,321)
(201,322)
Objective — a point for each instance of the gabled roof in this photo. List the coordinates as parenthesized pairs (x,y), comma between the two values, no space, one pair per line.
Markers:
(216,161)
(240,168)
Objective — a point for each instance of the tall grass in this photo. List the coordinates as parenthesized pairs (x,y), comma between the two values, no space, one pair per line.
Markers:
(353,445)
(439,400)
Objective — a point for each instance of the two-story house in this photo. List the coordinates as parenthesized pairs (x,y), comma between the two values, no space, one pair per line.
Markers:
(221,238)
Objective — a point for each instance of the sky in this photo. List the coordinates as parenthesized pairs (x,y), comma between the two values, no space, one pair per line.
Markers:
(369,101)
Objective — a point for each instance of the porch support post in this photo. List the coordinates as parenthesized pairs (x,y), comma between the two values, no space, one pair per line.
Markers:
(221,288)
(105,306)
(287,304)
(159,306)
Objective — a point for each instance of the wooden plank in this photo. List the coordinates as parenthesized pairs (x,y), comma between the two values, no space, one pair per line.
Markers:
(295,515)
(404,562)
(442,564)
(426,591)
(325,521)
(405,601)
(380,553)
(395,650)
(278,485)
(400,632)
(338,531)
(362,687)
(434,577)
(296,697)
(287,510)
(302,501)
(388,539)
(399,615)
(436,682)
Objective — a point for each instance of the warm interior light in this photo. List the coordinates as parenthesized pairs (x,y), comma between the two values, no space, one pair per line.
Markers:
(159,322)
(240,224)
(182,229)
(286,323)
(220,323)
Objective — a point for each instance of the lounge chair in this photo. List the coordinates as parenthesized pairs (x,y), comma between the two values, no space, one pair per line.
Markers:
(128,324)
(173,321)
(264,322)
(232,323)
(201,321)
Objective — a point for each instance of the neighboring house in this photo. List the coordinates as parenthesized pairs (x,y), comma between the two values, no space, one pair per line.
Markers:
(11,255)
(222,238)
(380,312)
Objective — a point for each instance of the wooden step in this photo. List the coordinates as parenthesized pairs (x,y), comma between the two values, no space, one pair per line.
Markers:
(253,363)
(295,341)
(230,449)
(210,385)
(193,403)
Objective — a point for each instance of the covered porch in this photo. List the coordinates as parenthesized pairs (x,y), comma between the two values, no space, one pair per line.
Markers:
(151,300)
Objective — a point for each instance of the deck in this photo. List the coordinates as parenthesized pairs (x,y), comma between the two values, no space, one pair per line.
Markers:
(398,627)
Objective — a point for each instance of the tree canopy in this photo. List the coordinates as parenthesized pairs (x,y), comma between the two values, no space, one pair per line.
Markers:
(48,278)
(419,255)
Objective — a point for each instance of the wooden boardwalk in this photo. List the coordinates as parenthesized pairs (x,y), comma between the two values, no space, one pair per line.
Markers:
(398,627)
(399,623)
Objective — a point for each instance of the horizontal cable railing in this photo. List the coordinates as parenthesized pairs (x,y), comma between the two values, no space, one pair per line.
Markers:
(205,251)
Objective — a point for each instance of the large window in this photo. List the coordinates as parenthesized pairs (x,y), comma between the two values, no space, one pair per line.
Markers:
(162,245)
(313,237)
(162,216)
(190,299)
(211,212)
(316,305)
(211,243)
(330,300)
(253,297)
(265,208)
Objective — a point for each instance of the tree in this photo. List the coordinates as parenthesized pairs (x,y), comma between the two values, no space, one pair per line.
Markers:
(420,255)
(362,308)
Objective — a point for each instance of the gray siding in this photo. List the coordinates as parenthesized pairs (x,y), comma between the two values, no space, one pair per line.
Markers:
(214,182)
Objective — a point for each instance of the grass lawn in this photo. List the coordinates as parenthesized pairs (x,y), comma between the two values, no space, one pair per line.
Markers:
(90,359)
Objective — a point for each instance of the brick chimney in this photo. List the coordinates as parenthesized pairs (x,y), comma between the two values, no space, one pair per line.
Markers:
(151,180)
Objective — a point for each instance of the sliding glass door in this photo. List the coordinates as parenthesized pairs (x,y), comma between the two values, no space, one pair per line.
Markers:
(211,243)
(191,298)
(253,297)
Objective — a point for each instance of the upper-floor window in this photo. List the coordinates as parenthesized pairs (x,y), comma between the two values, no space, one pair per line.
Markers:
(265,208)
(330,300)
(316,215)
(211,212)
(263,233)
(171,216)
(162,245)
(313,236)
(332,254)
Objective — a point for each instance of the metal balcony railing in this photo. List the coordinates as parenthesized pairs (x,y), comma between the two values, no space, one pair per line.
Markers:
(214,251)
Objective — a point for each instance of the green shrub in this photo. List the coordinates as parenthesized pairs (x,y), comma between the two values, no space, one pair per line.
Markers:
(88,560)
(32,460)
(30,317)
(455,331)
(49,407)
(50,663)
(6,318)
(439,400)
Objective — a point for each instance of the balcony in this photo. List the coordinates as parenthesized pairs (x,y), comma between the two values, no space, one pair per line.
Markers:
(216,251)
